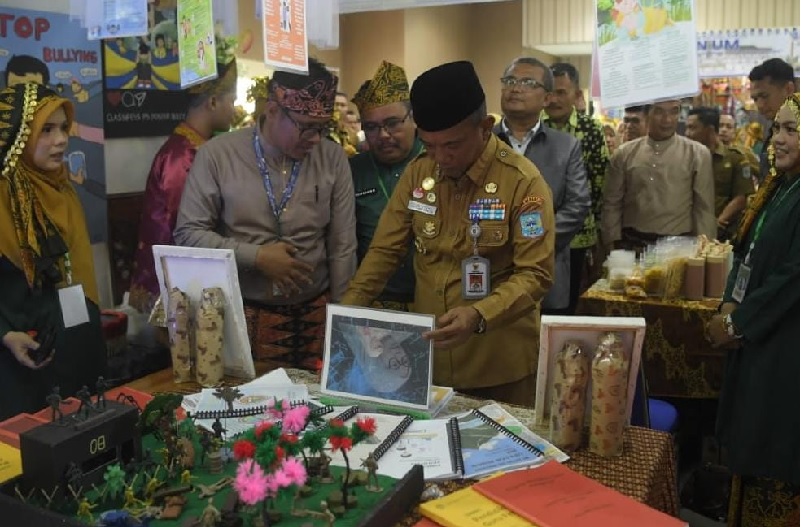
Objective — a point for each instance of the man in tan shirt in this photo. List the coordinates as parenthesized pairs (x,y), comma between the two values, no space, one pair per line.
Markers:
(469,190)
(282,198)
(658,185)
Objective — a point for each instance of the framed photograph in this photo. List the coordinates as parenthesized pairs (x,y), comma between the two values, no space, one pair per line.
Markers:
(377,355)
(586,331)
(193,269)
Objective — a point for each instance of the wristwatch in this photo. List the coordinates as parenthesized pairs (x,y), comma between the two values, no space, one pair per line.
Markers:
(480,326)
(730,329)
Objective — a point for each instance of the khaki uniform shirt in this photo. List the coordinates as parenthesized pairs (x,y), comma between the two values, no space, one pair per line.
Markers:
(521,266)
(732,175)
(225,206)
(659,187)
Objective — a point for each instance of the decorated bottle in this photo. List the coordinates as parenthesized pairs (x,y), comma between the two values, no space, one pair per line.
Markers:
(209,337)
(568,397)
(609,373)
(180,330)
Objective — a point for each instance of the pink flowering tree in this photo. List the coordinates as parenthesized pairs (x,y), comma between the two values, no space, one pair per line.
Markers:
(268,453)
(268,467)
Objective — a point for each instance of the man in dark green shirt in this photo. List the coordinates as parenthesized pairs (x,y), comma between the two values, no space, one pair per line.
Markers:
(384,105)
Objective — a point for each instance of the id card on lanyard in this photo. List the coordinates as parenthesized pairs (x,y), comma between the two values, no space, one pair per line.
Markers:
(72,300)
(276,208)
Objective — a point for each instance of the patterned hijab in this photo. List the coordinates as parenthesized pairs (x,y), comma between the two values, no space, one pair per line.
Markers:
(41,218)
(770,184)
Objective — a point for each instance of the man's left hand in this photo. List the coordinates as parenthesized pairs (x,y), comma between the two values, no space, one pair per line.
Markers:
(454,327)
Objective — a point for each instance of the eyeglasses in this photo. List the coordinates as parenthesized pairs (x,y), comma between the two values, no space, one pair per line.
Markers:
(508,83)
(391,126)
(306,132)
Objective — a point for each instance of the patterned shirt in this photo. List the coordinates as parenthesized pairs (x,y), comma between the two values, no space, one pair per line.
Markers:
(596,159)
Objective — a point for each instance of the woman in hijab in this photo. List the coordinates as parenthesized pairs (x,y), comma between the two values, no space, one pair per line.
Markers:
(49,294)
(758,421)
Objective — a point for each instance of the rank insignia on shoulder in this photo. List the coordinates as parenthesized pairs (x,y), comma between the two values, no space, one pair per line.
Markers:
(532,203)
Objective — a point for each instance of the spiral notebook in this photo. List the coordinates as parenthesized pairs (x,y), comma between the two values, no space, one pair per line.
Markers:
(433,444)
(488,447)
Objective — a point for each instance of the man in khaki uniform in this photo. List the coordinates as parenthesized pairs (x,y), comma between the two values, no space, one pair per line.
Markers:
(732,170)
(727,134)
(470,194)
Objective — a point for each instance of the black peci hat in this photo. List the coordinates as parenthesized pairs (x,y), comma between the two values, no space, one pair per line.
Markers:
(446,95)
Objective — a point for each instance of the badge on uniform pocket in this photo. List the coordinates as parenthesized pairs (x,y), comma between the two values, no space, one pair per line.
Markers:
(531,225)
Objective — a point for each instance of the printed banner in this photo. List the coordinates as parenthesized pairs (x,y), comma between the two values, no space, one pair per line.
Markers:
(117,18)
(52,49)
(733,53)
(646,50)
(143,95)
(196,43)
(284,35)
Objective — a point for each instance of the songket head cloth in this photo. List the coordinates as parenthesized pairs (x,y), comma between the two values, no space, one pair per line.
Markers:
(311,94)
(388,86)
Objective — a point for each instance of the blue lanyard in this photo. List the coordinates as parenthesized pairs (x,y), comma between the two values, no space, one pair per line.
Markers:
(288,190)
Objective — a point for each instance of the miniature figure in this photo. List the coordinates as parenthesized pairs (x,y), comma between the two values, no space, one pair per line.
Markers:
(210,516)
(215,465)
(153,485)
(186,477)
(371,466)
(54,400)
(217,428)
(102,387)
(207,491)
(85,510)
(86,401)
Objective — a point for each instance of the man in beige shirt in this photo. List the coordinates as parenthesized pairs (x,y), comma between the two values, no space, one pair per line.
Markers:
(282,198)
(658,185)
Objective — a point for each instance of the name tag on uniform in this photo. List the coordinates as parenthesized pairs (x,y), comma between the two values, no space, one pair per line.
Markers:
(422,207)
(366,192)
(73,306)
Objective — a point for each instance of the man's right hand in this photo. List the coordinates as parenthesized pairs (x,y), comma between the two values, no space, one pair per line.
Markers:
(277,262)
(19,344)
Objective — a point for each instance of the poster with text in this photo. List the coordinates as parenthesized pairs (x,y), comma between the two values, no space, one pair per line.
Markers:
(733,53)
(143,95)
(116,19)
(54,50)
(284,35)
(646,50)
(196,42)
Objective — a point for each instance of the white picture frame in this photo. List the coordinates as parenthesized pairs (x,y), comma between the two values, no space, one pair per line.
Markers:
(377,355)
(556,330)
(192,269)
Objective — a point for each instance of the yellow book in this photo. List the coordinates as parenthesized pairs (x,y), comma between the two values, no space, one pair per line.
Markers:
(467,508)
(10,462)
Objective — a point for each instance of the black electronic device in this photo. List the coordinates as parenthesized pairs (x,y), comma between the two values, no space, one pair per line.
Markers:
(90,440)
